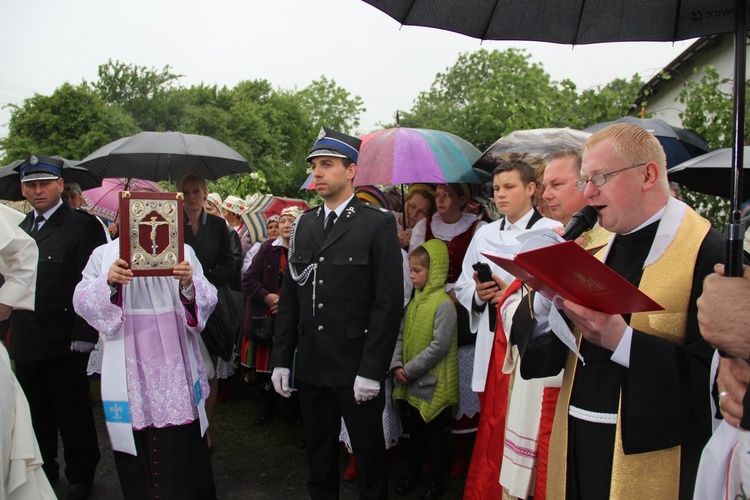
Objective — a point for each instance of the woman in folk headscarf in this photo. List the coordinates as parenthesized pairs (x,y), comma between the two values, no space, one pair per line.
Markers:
(261,285)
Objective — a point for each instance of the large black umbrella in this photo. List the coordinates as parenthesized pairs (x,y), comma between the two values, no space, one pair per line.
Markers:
(10,184)
(679,144)
(709,173)
(165,156)
(579,22)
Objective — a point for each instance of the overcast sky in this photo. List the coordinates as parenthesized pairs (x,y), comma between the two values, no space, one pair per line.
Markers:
(288,42)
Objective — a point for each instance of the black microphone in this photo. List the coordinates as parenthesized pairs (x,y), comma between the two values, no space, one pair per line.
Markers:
(582,221)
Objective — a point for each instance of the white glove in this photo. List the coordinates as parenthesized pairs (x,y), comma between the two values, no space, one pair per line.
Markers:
(82,346)
(280,381)
(365,389)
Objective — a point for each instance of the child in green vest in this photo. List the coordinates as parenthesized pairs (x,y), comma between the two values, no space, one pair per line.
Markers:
(425,366)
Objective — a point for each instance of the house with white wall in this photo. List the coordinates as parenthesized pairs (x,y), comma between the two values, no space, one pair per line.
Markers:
(658,97)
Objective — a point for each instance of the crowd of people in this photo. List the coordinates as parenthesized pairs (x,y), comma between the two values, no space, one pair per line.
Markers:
(378,320)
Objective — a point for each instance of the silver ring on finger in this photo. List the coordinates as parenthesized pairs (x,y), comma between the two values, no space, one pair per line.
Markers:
(722,394)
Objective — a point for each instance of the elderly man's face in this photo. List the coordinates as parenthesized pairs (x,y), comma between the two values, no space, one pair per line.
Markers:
(619,201)
(561,195)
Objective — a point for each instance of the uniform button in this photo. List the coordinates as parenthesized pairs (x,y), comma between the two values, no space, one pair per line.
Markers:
(365,330)
(320,328)
(320,282)
(321,259)
(350,259)
(320,306)
(49,257)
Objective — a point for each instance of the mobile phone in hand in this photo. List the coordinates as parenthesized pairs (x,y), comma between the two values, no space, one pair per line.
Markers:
(483,271)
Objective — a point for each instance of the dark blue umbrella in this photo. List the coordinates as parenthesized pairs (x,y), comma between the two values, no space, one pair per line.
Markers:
(680,145)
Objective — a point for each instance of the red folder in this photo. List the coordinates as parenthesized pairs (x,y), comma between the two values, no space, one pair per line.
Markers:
(567,270)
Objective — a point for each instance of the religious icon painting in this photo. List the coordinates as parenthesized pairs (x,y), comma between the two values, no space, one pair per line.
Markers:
(151,232)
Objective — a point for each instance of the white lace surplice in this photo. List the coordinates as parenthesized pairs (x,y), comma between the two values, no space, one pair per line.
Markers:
(153,321)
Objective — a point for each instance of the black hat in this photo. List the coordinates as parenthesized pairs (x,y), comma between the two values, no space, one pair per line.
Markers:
(40,168)
(332,143)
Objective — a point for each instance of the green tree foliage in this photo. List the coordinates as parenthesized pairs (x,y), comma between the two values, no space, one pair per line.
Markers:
(488,94)
(328,104)
(609,102)
(72,122)
(708,109)
(144,93)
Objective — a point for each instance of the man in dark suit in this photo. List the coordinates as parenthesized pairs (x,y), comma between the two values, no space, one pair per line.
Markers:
(50,345)
(340,307)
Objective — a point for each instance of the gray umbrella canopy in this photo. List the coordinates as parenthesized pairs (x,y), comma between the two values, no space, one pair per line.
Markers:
(532,146)
(710,173)
(165,156)
(10,183)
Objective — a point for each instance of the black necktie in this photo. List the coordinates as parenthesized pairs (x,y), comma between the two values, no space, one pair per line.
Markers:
(329,223)
(35,228)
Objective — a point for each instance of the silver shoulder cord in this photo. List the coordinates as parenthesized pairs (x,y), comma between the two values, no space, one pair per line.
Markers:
(302,277)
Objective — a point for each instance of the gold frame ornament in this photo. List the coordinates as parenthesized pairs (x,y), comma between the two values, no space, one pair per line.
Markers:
(151,232)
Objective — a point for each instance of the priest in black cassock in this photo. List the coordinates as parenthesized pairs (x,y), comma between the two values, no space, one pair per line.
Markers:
(632,421)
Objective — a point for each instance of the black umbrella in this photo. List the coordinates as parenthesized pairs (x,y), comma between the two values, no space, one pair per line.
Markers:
(579,22)
(710,173)
(165,156)
(10,184)
(679,144)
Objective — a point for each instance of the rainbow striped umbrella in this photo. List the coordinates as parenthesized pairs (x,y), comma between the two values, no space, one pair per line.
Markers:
(404,155)
(261,208)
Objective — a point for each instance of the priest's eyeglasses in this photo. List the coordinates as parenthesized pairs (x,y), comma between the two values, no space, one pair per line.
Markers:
(599,180)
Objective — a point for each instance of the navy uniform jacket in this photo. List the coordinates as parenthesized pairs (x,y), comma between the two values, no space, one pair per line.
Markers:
(347,323)
(65,243)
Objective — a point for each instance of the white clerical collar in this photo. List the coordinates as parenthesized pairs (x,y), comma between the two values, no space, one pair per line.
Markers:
(520,223)
(657,216)
(339,210)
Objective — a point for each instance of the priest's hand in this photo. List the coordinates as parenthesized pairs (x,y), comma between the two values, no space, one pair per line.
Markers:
(560,230)
(602,329)
(723,315)
(183,272)
(280,381)
(733,380)
(119,274)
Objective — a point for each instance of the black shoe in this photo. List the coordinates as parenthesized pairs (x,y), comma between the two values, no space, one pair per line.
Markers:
(78,491)
(431,492)
(407,484)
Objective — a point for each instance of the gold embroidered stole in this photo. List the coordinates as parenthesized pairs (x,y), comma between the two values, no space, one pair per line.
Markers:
(669,282)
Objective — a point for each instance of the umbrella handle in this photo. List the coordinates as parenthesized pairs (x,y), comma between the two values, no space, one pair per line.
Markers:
(734,237)
(733,233)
